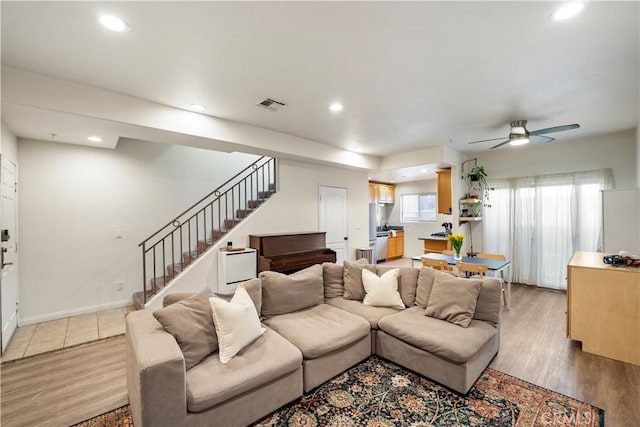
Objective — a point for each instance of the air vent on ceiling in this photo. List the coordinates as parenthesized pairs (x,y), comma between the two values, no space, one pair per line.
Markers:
(271,104)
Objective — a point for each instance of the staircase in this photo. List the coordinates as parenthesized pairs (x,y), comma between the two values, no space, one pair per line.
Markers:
(168,251)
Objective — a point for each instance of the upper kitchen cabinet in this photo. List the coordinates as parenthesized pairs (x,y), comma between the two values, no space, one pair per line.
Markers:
(381,193)
(444,191)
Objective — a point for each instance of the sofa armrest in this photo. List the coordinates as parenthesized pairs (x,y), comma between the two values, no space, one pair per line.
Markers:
(156,376)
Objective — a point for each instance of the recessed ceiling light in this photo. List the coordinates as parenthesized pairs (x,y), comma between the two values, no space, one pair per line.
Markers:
(336,107)
(568,11)
(113,23)
(95,139)
(197,107)
(423,170)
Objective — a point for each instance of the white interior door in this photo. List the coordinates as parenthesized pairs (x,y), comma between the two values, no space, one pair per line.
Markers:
(9,279)
(333,219)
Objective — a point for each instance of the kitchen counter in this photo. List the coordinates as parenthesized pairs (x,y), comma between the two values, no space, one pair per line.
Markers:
(382,233)
(435,244)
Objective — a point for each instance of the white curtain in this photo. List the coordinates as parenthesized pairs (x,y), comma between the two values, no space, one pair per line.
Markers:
(539,222)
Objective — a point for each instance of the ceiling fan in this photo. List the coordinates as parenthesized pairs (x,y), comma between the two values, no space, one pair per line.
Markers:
(519,134)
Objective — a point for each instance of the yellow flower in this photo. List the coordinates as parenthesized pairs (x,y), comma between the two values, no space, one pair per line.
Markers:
(456,240)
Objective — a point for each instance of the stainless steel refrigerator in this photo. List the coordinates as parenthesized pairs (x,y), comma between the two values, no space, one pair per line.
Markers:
(372,231)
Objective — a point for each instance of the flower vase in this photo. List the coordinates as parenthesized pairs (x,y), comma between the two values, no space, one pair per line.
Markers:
(457,255)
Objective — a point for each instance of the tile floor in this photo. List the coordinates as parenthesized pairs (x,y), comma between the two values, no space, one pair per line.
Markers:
(56,334)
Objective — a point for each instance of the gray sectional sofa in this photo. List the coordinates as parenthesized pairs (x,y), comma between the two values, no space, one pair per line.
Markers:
(317,326)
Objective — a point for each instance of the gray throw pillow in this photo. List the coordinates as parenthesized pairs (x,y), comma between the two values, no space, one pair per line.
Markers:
(489,301)
(332,278)
(352,277)
(425,283)
(254,289)
(190,321)
(179,296)
(283,293)
(407,282)
(453,299)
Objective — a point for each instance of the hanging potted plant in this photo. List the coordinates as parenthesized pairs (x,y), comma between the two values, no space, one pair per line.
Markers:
(477,177)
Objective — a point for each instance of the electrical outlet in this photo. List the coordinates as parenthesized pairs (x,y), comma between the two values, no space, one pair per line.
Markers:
(119,286)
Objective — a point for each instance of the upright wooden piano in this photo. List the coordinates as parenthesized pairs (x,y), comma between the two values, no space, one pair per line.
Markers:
(290,252)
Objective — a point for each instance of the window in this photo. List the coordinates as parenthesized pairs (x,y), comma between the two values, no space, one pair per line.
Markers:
(418,207)
(539,222)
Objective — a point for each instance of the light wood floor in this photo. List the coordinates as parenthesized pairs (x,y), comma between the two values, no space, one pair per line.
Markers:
(64,387)
(58,389)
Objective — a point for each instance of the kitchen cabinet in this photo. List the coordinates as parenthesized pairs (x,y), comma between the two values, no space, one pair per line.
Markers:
(395,245)
(444,191)
(603,307)
(381,193)
(373,193)
(435,244)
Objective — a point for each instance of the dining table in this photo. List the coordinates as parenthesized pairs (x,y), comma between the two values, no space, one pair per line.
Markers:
(494,266)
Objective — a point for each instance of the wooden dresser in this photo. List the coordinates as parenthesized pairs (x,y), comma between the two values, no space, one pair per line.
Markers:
(603,307)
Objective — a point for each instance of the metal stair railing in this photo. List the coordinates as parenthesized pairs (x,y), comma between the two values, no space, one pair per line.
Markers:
(191,233)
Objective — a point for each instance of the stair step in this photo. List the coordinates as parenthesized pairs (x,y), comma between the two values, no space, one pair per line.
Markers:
(265,194)
(174,269)
(203,245)
(217,235)
(253,204)
(138,300)
(243,213)
(160,282)
(230,223)
(189,257)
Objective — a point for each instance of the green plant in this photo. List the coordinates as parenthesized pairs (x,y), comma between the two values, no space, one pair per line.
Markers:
(477,177)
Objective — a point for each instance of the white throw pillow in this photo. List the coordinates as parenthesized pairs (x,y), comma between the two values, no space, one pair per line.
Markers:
(382,291)
(237,323)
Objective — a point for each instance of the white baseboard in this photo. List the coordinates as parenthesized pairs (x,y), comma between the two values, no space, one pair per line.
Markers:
(73,312)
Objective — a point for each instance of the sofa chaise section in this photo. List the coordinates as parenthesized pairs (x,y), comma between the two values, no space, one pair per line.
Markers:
(439,350)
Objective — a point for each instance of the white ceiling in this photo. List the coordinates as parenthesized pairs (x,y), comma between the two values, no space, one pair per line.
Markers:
(410,74)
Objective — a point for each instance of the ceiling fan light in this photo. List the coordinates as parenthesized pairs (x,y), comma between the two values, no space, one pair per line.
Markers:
(519,140)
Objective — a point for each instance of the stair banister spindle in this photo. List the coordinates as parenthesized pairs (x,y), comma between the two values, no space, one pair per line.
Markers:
(144,273)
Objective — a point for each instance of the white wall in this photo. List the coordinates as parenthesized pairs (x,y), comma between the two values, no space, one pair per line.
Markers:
(72,199)
(294,208)
(9,144)
(616,151)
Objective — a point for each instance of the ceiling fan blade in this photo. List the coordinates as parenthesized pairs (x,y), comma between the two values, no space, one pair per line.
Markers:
(501,144)
(486,140)
(540,138)
(554,129)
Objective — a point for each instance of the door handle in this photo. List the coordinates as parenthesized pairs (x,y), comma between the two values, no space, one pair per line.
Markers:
(4,251)
(346,238)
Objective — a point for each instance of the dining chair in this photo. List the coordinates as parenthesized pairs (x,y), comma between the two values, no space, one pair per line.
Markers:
(475,269)
(436,264)
(499,257)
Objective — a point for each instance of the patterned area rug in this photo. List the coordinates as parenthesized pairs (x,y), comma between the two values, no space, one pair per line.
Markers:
(378,393)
